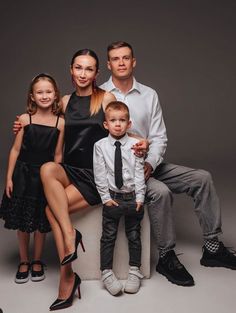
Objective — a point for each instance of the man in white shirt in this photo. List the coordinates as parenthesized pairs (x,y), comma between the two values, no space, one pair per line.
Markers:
(163,179)
(119,177)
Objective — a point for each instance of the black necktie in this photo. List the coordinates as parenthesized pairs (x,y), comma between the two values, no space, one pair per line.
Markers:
(118,166)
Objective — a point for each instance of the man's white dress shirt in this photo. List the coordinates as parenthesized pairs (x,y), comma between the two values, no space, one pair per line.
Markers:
(146,117)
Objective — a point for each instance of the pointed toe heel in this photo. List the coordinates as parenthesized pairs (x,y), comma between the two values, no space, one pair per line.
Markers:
(59,304)
(73,256)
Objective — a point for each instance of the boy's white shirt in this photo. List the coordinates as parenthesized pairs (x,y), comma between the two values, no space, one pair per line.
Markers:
(132,169)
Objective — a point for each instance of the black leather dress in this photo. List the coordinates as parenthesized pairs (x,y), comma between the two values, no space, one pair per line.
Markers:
(81,132)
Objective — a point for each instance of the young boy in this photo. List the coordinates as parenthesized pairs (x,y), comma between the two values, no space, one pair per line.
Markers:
(119,176)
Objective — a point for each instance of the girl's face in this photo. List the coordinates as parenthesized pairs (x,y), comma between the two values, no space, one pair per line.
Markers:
(43,94)
(84,71)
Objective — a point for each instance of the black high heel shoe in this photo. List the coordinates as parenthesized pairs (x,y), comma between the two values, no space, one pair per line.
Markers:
(65,303)
(73,256)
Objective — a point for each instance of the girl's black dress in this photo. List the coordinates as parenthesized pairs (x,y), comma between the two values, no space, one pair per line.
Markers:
(25,210)
(81,132)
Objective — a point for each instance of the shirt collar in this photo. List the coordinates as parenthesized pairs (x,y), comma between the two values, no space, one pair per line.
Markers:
(122,140)
(112,87)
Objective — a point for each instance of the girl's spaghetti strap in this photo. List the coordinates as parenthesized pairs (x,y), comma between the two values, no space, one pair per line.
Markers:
(57,120)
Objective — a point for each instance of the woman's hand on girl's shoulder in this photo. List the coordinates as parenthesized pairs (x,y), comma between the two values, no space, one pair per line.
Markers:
(20,121)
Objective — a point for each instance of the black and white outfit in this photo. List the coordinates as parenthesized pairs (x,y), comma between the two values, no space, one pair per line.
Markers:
(147,122)
(166,179)
(132,191)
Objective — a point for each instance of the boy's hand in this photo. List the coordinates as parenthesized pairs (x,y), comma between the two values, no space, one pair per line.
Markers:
(17,125)
(111,203)
(141,148)
(139,205)
(147,170)
(9,188)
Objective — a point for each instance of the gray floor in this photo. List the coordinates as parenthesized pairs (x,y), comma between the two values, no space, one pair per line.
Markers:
(214,290)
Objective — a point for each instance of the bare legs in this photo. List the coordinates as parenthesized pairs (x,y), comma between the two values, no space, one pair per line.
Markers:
(39,239)
(24,239)
(63,199)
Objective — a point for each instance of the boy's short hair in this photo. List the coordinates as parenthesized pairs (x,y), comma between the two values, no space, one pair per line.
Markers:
(117,106)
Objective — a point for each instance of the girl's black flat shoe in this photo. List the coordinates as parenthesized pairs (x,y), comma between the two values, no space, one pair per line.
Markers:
(37,275)
(22,277)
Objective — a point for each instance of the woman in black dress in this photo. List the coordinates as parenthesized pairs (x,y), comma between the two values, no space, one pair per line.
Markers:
(70,186)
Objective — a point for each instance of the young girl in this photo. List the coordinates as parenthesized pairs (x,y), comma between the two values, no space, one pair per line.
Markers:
(23,204)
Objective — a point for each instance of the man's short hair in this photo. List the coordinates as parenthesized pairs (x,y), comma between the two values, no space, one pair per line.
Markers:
(119,44)
(117,106)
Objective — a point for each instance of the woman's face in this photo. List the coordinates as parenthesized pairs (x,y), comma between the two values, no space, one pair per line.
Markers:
(84,71)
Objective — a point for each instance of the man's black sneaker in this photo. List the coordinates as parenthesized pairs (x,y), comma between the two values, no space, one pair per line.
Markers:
(221,258)
(173,270)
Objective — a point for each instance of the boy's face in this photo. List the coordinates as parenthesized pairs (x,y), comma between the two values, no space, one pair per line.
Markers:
(117,123)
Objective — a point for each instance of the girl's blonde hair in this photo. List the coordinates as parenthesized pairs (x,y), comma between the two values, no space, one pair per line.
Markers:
(32,106)
(97,93)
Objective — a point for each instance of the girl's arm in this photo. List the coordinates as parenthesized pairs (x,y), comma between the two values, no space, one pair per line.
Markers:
(14,152)
(60,141)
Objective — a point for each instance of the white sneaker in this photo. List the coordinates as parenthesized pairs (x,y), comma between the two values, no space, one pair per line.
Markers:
(111,283)
(134,280)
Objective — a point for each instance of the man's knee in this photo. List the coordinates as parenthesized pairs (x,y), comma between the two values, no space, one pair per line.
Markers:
(203,177)
(157,192)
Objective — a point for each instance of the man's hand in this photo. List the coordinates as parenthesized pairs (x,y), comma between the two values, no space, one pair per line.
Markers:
(17,125)
(139,205)
(147,170)
(141,148)
(111,203)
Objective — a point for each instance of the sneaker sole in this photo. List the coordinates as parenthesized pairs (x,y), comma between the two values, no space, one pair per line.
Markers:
(131,292)
(210,263)
(188,283)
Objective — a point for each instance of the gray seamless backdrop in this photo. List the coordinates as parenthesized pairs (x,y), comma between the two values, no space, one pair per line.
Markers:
(185,50)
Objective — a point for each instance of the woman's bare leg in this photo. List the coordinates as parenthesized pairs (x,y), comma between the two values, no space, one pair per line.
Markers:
(76,202)
(55,182)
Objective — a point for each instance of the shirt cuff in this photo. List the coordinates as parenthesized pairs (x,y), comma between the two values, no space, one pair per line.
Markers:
(153,162)
(106,198)
(140,198)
